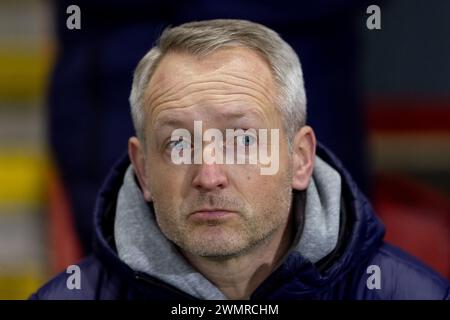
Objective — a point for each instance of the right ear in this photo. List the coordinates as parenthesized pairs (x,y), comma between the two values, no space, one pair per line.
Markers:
(136,153)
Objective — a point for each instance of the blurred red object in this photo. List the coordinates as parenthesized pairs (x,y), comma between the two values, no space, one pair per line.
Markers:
(417,219)
(65,248)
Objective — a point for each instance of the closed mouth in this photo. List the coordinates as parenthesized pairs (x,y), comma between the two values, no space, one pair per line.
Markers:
(211,213)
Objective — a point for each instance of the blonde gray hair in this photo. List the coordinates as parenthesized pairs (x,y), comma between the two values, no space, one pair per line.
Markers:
(203,37)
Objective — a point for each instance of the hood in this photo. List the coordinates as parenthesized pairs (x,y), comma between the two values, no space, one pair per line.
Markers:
(129,237)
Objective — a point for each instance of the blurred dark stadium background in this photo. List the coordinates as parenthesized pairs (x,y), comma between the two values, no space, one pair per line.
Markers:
(380,99)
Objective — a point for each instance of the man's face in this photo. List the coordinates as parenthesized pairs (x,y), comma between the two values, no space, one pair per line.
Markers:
(214,210)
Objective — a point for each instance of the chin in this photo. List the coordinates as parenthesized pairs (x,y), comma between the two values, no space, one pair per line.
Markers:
(216,245)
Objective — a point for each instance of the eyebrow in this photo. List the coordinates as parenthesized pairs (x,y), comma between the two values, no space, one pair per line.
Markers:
(169,121)
(178,121)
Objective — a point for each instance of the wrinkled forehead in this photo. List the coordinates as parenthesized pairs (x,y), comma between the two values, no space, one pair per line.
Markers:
(231,74)
(176,66)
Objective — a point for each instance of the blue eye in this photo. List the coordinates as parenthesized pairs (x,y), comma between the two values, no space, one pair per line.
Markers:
(246,140)
(179,144)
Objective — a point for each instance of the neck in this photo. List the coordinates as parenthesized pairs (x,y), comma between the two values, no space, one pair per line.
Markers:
(238,277)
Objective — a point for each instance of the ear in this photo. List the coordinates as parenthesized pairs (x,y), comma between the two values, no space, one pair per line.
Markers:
(303,155)
(136,153)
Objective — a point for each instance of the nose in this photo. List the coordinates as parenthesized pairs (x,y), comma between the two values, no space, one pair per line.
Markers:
(209,177)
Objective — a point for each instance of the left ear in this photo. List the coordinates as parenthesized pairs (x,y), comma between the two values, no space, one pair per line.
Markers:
(303,155)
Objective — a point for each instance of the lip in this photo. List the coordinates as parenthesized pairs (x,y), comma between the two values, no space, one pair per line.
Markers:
(211,214)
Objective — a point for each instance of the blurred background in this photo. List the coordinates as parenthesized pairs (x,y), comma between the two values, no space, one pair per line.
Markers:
(380,99)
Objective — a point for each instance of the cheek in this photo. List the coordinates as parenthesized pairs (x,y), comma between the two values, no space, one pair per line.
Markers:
(170,189)
(163,174)
(278,186)
(251,184)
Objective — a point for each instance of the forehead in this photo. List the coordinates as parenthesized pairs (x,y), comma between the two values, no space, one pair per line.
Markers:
(230,77)
(176,66)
